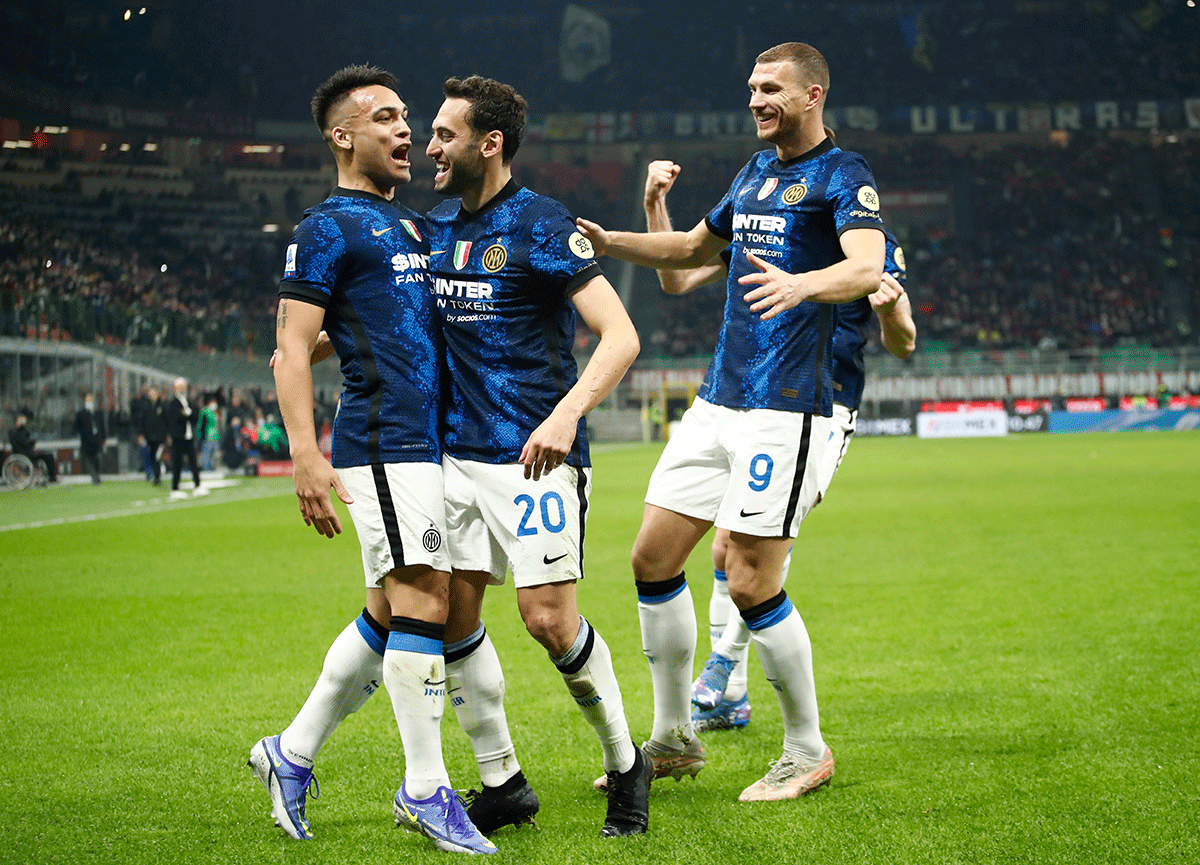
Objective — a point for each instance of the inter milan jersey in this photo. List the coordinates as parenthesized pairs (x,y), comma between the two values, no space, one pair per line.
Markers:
(503,277)
(365,260)
(790,214)
(851,334)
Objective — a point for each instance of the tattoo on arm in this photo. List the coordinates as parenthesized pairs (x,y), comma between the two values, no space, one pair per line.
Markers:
(281,321)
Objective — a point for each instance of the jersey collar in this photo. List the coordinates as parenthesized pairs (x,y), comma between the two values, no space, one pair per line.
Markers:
(343,192)
(824,147)
(506,192)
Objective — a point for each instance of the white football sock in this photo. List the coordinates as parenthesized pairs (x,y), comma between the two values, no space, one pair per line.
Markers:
(414,673)
(475,688)
(352,672)
(668,622)
(785,651)
(720,609)
(587,670)
(735,643)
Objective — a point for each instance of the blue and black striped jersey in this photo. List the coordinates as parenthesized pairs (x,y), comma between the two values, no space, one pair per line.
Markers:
(365,260)
(790,214)
(503,277)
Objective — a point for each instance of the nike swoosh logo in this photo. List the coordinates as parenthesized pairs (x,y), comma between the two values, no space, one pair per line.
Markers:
(546,560)
(452,690)
(434,684)
(742,513)
(436,251)
(382,231)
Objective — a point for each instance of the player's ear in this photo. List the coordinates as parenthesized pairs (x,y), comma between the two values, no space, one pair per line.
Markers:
(340,138)
(492,143)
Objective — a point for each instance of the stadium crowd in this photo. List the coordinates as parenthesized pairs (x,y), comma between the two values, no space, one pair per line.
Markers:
(184,56)
(1068,247)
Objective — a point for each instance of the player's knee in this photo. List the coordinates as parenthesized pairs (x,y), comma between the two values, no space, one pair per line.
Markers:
(647,562)
(742,596)
(718,551)
(549,629)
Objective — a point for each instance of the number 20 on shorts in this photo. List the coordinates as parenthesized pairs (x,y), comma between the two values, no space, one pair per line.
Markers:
(553,512)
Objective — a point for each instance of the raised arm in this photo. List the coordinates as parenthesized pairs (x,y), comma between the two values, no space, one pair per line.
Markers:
(674,249)
(856,276)
(897,330)
(296,330)
(660,177)
(600,308)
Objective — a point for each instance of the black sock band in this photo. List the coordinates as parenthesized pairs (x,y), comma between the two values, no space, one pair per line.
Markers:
(760,610)
(589,642)
(664,587)
(374,625)
(459,654)
(429,630)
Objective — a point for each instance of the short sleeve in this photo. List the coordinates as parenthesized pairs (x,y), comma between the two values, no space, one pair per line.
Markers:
(559,253)
(854,196)
(313,260)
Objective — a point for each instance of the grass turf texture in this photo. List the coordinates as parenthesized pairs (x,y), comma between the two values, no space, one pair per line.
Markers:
(1004,634)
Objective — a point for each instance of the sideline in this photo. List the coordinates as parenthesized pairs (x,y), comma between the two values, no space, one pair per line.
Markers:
(163,503)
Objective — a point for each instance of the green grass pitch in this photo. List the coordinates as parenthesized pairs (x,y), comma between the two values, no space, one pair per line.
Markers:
(1005,636)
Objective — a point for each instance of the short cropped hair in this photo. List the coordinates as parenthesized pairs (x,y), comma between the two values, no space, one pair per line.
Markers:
(809,62)
(341,84)
(494,106)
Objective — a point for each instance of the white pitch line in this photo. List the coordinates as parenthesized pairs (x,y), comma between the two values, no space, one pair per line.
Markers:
(149,507)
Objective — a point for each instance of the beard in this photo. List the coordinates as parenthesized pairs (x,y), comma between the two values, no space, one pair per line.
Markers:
(461,176)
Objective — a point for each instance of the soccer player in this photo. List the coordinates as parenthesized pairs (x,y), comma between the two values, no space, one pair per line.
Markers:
(358,264)
(803,223)
(720,694)
(511,272)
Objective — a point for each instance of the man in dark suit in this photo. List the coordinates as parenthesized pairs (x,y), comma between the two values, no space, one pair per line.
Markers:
(182,417)
(153,429)
(89,424)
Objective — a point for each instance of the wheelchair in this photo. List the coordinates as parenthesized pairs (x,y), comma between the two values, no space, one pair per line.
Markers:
(20,472)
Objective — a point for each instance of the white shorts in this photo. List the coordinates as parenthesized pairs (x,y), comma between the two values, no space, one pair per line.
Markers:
(497,519)
(842,429)
(754,471)
(400,517)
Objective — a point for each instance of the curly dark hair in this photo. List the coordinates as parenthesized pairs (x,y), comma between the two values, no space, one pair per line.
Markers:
(341,84)
(494,106)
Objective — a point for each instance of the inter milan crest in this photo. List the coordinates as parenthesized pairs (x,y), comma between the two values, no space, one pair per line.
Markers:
(768,187)
(494,258)
(794,193)
(431,540)
(462,251)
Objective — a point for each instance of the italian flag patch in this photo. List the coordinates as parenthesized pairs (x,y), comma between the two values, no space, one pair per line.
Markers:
(462,251)
(411,228)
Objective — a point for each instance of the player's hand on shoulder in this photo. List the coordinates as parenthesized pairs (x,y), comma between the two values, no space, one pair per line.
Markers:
(777,290)
(660,177)
(593,232)
(884,299)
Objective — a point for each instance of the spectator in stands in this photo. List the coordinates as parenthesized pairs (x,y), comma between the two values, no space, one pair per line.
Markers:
(272,440)
(209,433)
(23,442)
(233,451)
(138,408)
(89,424)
